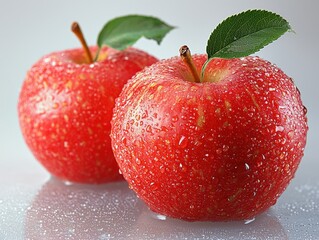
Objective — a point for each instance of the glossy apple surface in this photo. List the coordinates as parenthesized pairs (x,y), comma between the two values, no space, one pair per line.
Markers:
(223,149)
(65,107)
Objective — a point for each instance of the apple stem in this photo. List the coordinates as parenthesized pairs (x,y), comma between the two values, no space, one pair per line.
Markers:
(186,56)
(78,32)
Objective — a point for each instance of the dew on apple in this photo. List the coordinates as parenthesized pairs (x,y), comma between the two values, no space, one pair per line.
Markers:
(225,148)
(183,142)
(219,151)
(138,161)
(279,128)
(247,166)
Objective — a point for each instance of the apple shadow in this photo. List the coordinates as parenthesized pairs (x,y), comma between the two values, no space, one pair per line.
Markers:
(78,211)
(264,226)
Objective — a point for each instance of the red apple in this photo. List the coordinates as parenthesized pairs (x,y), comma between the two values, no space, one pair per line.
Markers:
(66,101)
(224,148)
(65,107)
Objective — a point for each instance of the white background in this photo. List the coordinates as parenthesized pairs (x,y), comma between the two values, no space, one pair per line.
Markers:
(30,29)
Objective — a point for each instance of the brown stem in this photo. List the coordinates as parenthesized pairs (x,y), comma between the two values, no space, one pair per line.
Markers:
(78,32)
(186,56)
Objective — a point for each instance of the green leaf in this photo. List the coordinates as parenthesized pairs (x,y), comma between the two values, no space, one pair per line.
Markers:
(245,33)
(122,32)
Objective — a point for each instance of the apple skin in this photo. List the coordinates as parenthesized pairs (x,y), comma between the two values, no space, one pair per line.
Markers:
(224,149)
(65,108)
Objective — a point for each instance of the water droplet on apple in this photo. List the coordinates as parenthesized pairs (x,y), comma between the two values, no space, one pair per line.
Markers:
(183,142)
(291,134)
(175,119)
(283,141)
(259,164)
(124,140)
(149,128)
(279,128)
(247,166)
(138,161)
(145,115)
(219,151)
(225,148)
(164,129)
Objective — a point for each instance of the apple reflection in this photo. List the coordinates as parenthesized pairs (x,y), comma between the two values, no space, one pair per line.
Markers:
(64,211)
(112,211)
(264,226)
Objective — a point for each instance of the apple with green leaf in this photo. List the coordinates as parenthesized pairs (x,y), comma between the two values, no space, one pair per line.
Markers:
(216,136)
(66,101)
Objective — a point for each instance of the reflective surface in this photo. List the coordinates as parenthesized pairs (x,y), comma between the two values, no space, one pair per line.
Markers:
(47,208)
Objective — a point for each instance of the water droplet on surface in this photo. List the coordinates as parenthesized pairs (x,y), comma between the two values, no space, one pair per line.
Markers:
(67,183)
(249,221)
(160,217)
